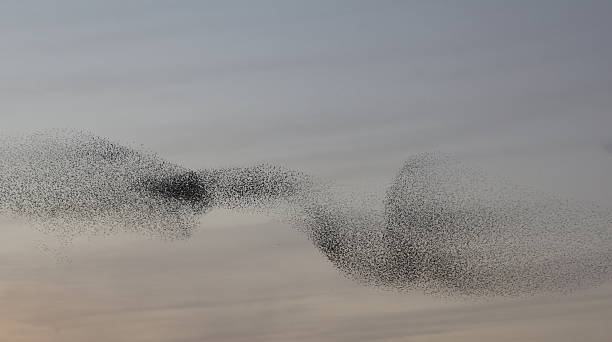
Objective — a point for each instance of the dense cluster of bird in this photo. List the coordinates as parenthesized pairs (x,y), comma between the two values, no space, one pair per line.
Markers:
(443,228)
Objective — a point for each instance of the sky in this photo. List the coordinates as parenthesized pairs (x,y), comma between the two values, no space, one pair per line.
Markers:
(345,90)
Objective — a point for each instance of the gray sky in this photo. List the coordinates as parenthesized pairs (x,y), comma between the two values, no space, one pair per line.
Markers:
(342,89)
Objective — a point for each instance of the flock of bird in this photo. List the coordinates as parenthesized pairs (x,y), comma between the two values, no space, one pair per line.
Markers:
(442,228)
